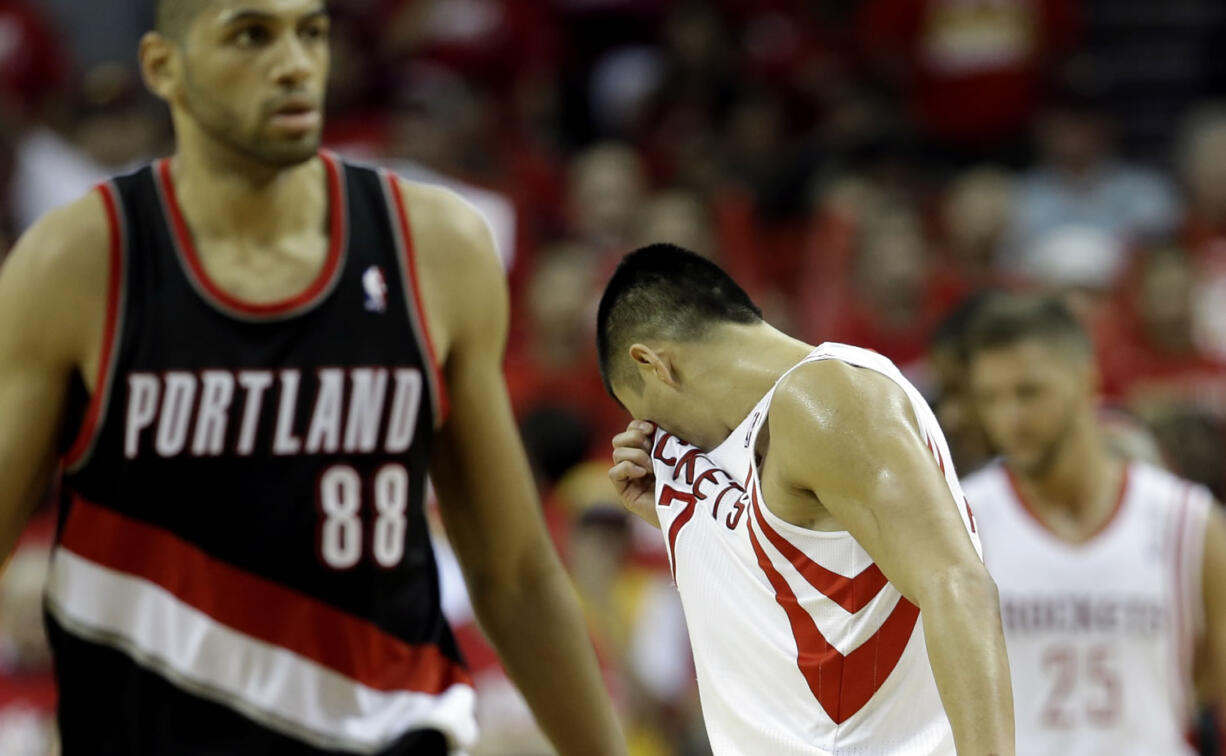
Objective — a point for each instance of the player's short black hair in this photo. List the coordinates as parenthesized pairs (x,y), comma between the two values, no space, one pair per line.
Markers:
(951,333)
(1004,320)
(171,18)
(662,291)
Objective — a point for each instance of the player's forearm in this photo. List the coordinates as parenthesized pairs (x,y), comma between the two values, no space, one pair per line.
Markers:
(533,619)
(966,646)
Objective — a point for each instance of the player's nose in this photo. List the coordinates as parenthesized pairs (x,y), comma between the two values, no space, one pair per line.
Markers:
(295,66)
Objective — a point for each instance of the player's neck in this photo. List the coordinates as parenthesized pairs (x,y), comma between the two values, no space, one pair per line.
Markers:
(225,195)
(748,361)
(1079,489)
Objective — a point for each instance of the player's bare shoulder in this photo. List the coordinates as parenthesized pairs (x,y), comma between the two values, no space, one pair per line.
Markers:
(53,287)
(834,422)
(835,398)
(462,279)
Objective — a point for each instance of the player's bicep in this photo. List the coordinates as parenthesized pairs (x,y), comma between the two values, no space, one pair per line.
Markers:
(36,363)
(865,462)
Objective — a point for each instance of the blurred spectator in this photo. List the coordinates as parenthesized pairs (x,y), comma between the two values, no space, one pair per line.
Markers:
(33,65)
(605,191)
(696,84)
(974,222)
(553,365)
(1150,355)
(431,137)
(475,38)
(891,301)
(675,216)
(761,155)
(33,73)
(1202,164)
(110,128)
(970,70)
(1081,265)
(635,617)
(1082,184)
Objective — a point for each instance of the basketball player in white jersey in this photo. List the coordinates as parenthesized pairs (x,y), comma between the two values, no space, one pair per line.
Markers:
(1111,572)
(827,564)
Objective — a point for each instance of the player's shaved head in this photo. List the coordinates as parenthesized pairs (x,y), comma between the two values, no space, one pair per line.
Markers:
(173,17)
(1006,320)
(662,291)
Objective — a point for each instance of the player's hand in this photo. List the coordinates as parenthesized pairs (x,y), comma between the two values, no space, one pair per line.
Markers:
(631,471)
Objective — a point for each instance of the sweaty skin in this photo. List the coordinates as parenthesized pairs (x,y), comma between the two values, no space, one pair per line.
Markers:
(253,196)
(822,470)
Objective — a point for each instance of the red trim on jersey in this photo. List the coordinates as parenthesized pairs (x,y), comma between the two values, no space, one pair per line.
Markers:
(402,217)
(841,684)
(670,495)
(332,263)
(257,607)
(1115,511)
(853,594)
(89,425)
(936,452)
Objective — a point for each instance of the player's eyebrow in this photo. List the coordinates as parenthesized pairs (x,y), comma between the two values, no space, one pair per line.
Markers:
(240,16)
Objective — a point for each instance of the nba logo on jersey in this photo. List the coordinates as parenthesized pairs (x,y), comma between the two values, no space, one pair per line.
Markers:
(376,289)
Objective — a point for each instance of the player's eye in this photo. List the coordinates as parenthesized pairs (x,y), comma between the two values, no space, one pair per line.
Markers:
(253,36)
(315,32)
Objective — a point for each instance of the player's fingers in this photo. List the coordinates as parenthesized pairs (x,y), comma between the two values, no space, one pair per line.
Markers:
(631,439)
(625,471)
(635,456)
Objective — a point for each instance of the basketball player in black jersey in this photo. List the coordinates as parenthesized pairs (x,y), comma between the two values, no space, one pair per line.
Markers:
(245,359)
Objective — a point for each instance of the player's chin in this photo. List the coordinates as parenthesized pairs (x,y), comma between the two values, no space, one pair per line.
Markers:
(1025,460)
(289,152)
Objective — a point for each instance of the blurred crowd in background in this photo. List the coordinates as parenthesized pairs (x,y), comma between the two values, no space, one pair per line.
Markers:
(863,168)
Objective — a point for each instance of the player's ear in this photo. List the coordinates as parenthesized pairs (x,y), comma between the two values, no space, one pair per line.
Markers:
(648,360)
(158,65)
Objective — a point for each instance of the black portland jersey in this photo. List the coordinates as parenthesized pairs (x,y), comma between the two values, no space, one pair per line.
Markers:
(243,565)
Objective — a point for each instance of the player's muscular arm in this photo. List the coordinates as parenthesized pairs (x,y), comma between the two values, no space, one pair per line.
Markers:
(522,595)
(849,437)
(1213,585)
(52,307)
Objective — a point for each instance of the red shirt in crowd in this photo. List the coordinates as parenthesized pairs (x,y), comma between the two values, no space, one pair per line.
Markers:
(973,68)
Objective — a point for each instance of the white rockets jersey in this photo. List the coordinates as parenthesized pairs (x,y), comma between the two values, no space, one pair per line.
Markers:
(800,644)
(1100,635)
